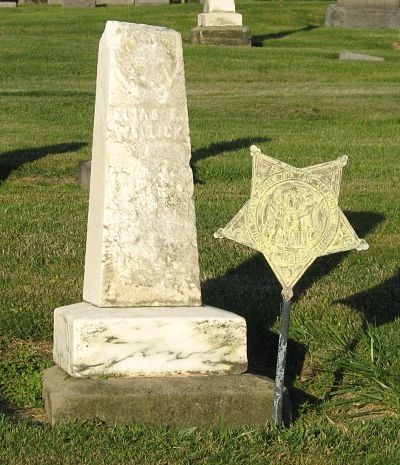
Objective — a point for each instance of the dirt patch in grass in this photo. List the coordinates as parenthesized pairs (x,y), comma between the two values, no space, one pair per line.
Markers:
(16,346)
(43,180)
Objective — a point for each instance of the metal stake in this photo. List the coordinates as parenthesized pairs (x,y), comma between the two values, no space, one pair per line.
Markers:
(281,362)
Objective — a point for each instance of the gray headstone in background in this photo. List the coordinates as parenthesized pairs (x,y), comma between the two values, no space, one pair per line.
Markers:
(346,55)
(364,14)
(369,3)
(84,174)
(7,4)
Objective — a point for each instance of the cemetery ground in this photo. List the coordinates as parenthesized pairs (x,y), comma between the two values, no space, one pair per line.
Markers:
(291,96)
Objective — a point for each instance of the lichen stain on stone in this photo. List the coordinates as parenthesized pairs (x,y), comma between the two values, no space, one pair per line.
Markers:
(114,340)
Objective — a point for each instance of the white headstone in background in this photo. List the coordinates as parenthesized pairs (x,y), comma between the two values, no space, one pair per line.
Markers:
(141,240)
(219,13)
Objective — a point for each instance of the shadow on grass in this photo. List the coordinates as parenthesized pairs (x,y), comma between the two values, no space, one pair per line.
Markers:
(34,415)
(380,304)
(6,408)
(11,161)
(217,148)
(252,291)
(258,40)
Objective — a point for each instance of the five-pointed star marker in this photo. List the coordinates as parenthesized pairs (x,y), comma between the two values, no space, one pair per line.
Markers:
(292,216)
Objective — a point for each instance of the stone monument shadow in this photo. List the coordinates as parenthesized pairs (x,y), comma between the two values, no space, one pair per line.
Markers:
(364,223)
(16,414)
(380,304)
(11,161)
(258,40)
(217,148)
(252,291)
(6,408)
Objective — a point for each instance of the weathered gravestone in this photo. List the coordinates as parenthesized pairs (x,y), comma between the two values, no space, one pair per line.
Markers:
(373,14)
(4,4)
(84,170)
(142,314)
(219,24)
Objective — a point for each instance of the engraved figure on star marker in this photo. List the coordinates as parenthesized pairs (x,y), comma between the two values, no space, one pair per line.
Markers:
(293,217)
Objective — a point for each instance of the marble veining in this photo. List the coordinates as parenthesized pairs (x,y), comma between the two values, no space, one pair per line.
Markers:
(157,341)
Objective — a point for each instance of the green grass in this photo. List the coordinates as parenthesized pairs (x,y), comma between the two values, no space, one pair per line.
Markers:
(299,103)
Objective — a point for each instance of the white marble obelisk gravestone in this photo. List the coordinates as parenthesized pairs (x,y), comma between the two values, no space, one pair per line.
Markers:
(142,312)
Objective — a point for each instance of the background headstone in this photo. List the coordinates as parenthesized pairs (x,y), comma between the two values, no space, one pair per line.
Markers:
(219,13)
(346,55)
(219,24)
(84,169)
(368,14)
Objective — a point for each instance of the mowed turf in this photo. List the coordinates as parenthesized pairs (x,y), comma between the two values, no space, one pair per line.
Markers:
(292,97)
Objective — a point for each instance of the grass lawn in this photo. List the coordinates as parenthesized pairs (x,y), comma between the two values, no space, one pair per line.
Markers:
(291,96)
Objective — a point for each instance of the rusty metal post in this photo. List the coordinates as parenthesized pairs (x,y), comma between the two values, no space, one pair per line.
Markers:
(281,362)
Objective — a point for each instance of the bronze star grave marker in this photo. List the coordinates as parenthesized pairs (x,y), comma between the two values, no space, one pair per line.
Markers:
(292,217)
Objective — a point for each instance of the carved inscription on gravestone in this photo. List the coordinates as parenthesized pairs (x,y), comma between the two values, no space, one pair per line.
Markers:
(141,242)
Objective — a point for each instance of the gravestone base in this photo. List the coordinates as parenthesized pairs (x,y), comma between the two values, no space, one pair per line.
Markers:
(79,3)
(225,400)
(221,35)
(114,2)
(90,341)
(8,4)
(151,2)
(362,17)
(84,170)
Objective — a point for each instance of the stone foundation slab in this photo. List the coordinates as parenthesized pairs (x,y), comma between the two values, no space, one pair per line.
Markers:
(231,400)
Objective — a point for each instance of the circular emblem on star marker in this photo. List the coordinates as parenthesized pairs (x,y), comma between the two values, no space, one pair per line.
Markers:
(292,217)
